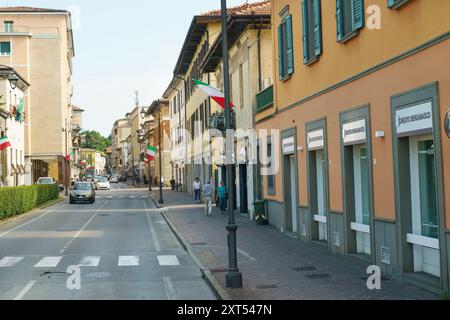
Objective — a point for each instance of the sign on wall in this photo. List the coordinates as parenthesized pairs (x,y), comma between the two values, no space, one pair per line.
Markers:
(414,120)
(447,123)
(289,145)
(316,140)
(354,132)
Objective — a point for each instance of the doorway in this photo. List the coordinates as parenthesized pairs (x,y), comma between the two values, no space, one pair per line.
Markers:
(318,194)
(290,193)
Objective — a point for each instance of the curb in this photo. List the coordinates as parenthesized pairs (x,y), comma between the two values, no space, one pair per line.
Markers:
(212,282)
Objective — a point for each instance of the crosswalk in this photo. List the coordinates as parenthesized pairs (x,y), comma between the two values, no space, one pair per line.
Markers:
(85,261)
(122,197)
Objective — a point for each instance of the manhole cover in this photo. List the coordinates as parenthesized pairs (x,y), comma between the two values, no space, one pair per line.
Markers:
(305,269)
(319,276)
(198,244)
(131,214)
(267,287)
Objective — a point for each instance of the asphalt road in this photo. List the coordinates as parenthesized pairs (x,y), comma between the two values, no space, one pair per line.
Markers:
(121,244)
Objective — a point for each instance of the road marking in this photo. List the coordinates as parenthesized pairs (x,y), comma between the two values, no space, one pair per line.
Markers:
(89,262)
(152,230)
(168,261)
(25,290)
(9,262)
(245,254)
(128,261)
(132,197)
(69,243)
(31,221)
(170,291)
(48,262)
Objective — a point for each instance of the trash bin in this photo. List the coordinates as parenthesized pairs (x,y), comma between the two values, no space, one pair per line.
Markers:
(261,216)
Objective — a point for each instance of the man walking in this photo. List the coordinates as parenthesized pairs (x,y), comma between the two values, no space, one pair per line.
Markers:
(222,191)
(197,185)
(207,194)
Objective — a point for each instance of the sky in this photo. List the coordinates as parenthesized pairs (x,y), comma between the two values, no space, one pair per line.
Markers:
(122,47)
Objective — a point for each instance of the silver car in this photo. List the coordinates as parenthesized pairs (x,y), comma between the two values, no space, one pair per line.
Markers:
(82,192)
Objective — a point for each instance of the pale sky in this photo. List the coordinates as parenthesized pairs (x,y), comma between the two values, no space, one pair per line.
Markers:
(122,47)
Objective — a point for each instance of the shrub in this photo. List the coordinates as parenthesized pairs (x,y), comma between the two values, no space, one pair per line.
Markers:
(18,200)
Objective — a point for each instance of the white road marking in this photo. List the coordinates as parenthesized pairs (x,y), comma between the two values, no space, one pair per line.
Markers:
(68,244)
(25,290)
(170,291)
(27,223)
(89,262)
(168,261)
(132,197)
(128,261)
(9,262)
(152,231)
(48,262)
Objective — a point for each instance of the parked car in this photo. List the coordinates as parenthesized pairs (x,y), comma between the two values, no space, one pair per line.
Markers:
(82,192)
(102,184)
(114,179)
(46,180)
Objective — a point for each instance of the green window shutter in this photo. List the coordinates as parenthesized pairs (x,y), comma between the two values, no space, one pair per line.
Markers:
(339,20)
(289,46)
(395,4)
(358,14)
(391,3)
(280,52)
(305,32)
(317,23)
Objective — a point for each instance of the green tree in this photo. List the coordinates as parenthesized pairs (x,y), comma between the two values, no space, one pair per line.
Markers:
(94,140)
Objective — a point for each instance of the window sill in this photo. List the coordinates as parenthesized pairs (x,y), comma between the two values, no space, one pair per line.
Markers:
(349,36)
(311,60)
(286,78)
(397,5)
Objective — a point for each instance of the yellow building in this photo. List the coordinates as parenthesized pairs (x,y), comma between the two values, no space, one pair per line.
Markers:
(360,97)
(38,43)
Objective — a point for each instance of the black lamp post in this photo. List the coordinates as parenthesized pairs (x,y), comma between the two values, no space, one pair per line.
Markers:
(233,276)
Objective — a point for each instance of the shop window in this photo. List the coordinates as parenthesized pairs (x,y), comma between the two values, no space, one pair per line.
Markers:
(349,18)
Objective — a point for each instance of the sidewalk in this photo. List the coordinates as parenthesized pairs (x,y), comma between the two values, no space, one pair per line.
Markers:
(276,266)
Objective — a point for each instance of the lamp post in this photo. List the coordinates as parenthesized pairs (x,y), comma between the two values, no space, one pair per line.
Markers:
(233,276)
(161,200)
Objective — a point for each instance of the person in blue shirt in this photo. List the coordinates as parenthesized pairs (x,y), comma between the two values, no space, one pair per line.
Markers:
(222,193)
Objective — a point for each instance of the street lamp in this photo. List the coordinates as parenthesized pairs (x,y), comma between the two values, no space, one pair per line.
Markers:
(13,80)
(233,276)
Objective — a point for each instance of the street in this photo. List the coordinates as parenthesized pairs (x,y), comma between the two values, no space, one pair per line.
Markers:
(122,244)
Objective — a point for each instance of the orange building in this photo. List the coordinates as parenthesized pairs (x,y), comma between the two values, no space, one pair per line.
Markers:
(361,94)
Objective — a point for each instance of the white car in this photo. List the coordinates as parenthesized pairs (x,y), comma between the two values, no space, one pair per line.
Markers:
(114,179)
(102,184)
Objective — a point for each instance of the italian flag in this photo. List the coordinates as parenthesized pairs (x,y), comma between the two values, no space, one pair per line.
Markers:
(151,153)
(214,93)
(83,163)
(4,143)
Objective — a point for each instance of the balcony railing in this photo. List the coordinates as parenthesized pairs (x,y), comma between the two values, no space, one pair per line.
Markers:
(13,29)
(264,99)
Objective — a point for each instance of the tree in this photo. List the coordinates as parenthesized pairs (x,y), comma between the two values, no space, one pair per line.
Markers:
(94,140)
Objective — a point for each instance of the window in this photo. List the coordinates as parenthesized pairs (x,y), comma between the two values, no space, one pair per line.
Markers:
(285,46)
(271,176)
(349,18)
(312,30)
(394,4)
(9,26)
(5,48)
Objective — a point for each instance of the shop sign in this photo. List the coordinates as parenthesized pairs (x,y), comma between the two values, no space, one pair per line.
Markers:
(414,120)
(316,140)
(354,132)
(289,145)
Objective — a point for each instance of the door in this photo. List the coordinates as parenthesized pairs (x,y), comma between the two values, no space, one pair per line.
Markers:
(293,180)
(425,223)
(362,198)
(321,210)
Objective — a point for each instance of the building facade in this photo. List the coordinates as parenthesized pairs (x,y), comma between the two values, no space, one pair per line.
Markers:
(119,156)
(38,43)
(13,88)
(360,98)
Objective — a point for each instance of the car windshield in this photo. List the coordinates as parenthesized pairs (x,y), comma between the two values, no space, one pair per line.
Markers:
(45,181)
(82,186)
(102,180)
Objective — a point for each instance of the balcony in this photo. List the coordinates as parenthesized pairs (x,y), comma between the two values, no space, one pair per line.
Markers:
(11,30)
(264,99)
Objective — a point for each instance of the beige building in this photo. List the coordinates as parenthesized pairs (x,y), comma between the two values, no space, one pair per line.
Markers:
(38,43)
(119,155)
(136,119)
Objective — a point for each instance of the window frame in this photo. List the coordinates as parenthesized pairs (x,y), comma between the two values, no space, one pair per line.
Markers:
(342,18)
(2,54)
(309,31)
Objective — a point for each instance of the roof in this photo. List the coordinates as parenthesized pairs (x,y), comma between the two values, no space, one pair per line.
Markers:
(75,108)
(31,10)
(247,9)
(12,70)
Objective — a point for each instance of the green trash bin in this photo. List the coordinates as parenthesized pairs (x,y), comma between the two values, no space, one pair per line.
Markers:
(260,212)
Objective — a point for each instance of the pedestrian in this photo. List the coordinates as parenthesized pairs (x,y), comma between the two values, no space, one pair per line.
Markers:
(156,181)
(222,192)
(207,196)
(197,185)
(172,184)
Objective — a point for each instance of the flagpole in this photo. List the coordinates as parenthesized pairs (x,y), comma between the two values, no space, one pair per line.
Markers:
(233,276)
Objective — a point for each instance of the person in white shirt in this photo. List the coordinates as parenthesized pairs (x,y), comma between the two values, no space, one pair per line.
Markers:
(197,185)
